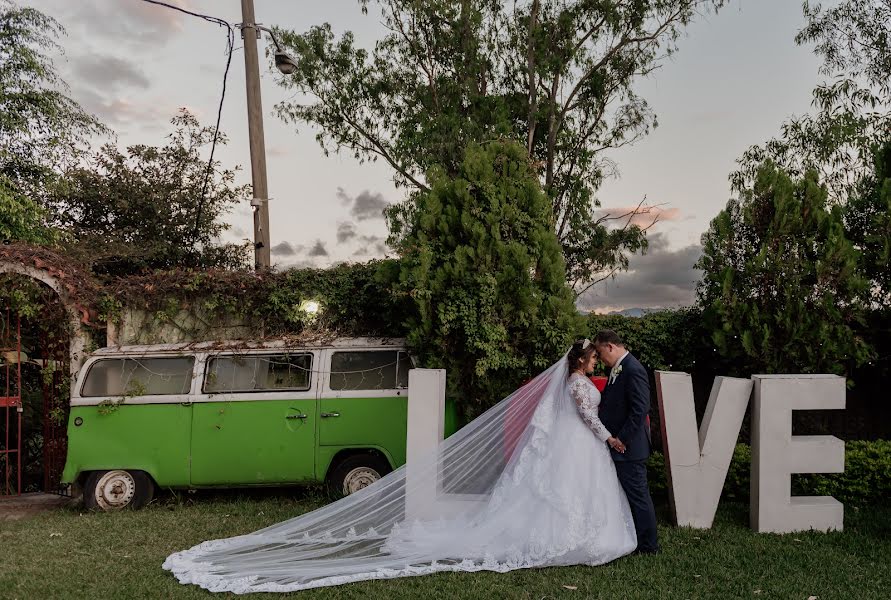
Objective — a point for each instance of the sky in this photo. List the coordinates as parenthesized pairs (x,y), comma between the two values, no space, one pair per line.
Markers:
(736,77)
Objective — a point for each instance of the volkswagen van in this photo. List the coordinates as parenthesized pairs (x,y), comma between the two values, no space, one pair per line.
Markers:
(227,414)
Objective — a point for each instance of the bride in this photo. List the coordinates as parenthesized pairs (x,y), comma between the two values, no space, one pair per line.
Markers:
(530,483)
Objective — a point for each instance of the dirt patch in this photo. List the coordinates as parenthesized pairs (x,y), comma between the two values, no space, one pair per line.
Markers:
(15,508)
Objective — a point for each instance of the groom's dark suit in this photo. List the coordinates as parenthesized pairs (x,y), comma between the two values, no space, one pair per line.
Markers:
(624,405)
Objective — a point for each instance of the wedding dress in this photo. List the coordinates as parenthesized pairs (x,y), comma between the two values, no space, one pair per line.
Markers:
(530,483)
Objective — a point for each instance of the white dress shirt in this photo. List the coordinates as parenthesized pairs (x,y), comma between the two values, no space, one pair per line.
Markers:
(612,371)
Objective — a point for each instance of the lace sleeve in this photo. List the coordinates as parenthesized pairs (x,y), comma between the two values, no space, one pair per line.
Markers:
(580,392)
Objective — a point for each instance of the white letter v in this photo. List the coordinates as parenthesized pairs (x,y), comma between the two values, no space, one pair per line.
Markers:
(697,465)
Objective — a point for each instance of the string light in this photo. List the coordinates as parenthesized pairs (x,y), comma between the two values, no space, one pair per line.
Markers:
(127,376)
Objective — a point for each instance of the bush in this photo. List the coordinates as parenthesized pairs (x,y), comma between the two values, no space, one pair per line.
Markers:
(355,299)
(483,267)
(866,480)
(666,340)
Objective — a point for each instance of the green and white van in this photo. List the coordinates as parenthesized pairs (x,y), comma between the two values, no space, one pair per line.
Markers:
(226,414)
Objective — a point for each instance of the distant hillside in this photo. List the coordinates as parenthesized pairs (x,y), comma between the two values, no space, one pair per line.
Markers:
(635,312)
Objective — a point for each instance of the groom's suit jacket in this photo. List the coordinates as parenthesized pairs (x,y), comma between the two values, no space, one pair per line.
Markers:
(624,405)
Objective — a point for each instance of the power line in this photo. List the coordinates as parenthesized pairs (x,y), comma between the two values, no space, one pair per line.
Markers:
(216,20)
(230,47)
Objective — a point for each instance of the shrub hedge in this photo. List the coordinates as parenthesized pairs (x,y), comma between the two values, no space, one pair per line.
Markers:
(866,479)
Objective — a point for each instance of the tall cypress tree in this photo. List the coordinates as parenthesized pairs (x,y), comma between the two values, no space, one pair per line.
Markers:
(781,279)
(484,269)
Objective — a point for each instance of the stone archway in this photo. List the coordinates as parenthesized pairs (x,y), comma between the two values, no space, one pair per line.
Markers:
(62,336)
(74,287)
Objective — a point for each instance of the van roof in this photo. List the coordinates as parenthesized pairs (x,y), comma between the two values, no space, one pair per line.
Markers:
(272,344)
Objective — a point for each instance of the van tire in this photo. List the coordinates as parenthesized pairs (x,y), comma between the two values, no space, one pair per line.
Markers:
(356,472)
(117,489)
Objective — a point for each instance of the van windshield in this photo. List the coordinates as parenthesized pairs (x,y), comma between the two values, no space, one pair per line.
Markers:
(139,376)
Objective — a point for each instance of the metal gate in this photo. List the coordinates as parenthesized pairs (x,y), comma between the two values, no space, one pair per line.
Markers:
(55,382)
(33,445)
(10,404)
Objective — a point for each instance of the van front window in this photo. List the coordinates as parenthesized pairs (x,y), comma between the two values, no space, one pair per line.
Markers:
(139,377)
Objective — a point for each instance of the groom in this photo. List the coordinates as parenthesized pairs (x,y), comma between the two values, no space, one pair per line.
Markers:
(624,405)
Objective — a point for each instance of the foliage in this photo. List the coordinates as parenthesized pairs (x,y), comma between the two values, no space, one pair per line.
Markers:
(144,209)
(556,76)
(867,216)
(853,108)
(21,218)
(484,271)
(666,340)
(865,481)
(780,285)
(353,300)
(40,126)
(27,297)
(738,481)
(110,405)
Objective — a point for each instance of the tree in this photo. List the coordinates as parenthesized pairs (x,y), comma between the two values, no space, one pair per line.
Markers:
(555,75)
(845,140)
(781,280)
(21,219)
(867,215)
(148,208)
(483,267)
(41,128)
(853,108)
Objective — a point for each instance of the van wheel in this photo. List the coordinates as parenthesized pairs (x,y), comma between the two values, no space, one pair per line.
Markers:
(356,472)
(117,489)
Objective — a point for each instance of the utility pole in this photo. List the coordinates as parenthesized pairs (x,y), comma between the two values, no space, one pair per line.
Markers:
(250,33)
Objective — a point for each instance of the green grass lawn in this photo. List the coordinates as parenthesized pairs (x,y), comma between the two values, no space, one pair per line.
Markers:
(72,554)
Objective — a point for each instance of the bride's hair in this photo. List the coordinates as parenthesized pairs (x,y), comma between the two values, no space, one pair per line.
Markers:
(581,349)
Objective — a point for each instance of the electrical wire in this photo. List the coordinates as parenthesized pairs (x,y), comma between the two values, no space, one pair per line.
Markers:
(230,47)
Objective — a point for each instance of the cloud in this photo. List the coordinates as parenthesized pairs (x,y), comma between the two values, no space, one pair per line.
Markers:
(122,111)
(643,217)
(297,264)
(662,278)
(318,249)
(284,249)
(369,206)
(372,245)
(109,73)
(346,231)
(132,22)
(365,206)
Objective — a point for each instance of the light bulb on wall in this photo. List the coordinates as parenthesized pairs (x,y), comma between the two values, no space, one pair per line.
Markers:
(310,307)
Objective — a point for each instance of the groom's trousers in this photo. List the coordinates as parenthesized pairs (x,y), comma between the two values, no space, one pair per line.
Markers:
(633,477)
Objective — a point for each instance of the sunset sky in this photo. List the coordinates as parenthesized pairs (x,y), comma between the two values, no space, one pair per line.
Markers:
(736,78)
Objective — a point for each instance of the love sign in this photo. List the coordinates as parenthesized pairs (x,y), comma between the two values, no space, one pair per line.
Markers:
(697,460)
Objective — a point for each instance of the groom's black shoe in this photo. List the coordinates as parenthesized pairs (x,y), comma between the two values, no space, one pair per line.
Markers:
(646,551)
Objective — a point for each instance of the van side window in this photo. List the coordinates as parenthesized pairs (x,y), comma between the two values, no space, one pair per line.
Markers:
(369,370)
(139,376)
(256,373)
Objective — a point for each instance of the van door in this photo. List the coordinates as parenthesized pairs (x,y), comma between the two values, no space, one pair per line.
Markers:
(364,400)
(133,412)
(255,420)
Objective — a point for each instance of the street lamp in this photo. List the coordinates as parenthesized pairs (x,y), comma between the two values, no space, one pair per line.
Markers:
(284,62)
(256,139)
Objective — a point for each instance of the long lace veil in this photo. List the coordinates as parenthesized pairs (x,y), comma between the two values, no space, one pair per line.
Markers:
(378,532)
